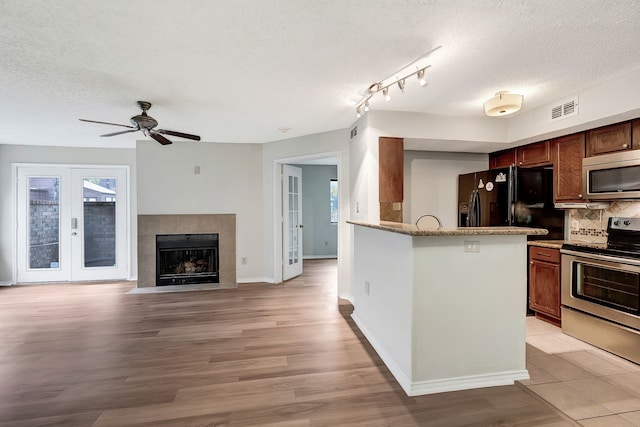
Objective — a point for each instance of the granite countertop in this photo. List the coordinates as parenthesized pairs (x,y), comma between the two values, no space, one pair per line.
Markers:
(412,230)
(552,244)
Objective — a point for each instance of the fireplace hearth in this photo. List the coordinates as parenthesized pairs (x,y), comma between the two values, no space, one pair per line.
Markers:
(185,259)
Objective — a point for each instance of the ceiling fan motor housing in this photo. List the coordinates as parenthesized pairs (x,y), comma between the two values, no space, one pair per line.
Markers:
(143,121)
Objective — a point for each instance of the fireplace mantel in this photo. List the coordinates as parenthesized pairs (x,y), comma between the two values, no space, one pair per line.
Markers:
(149,226)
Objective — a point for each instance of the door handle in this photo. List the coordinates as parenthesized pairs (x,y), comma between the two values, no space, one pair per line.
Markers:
(74,234)
(301,225)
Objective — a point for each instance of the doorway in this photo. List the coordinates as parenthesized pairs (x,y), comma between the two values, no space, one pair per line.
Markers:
(72,223)
(281,199)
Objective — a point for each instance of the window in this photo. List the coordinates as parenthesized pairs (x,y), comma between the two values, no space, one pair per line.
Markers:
(333,198)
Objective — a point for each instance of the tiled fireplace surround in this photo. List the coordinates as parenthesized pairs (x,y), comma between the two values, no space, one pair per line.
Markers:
(151,225)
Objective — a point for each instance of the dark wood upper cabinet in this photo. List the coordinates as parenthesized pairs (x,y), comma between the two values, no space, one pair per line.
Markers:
(536,154)
(635,134)
(609,139)
(502,159)
(391,169)
(568,153)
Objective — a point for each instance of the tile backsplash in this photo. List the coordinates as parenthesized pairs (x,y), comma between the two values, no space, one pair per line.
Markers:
(588,225)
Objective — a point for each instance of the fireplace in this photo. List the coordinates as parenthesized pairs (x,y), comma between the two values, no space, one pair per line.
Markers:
(185,259)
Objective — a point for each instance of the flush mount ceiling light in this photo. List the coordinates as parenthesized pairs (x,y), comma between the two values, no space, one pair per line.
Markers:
(503,104)
(415,68)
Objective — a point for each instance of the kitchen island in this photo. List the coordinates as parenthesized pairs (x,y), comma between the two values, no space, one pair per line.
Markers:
(445,309)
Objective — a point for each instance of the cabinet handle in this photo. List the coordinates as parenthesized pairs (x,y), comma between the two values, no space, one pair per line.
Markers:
(547,255)
(625,145)
(531,262)
(579,196)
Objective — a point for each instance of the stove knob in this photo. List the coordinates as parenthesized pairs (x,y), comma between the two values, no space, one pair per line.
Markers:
(616,222)
(627,222)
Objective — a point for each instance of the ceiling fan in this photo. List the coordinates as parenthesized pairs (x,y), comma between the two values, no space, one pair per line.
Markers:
(146,124)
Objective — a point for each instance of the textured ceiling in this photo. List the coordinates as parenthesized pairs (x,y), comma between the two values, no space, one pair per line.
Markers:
(239,70)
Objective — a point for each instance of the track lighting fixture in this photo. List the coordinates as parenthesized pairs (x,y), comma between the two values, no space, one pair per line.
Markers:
(416,68)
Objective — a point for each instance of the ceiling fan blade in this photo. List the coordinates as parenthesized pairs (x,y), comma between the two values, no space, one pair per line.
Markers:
(107,123)
(161,139)
(179,134)
(120,133)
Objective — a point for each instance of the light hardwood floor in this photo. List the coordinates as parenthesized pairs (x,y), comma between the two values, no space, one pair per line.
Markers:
(270,355)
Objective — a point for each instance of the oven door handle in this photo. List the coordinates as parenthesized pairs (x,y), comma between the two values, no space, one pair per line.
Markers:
(598,257)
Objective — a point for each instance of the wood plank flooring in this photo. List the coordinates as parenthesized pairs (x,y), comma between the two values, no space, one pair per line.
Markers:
(283,355)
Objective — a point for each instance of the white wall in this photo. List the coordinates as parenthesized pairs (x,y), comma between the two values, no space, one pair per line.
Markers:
(431,183)
(334,143)
(610,102)
(55,155)
(229,182)
(320,236)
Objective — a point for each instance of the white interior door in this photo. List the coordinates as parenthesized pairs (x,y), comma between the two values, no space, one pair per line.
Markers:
(291,221)
(99,224)
(72,224)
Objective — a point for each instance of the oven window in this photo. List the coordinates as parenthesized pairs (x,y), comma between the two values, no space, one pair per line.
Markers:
(606,286)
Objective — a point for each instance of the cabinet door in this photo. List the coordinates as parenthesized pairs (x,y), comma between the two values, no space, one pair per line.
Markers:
(502,159)
(536,154)
(609,139)
(544,287)
(568,153)
(635,134)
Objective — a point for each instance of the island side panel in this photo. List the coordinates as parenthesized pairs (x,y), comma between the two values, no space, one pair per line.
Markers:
(469,312)
(384,260)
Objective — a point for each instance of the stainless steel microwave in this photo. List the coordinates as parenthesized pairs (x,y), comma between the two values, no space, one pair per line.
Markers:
(612,176)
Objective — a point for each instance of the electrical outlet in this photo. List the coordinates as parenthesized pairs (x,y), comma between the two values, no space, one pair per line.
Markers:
(243,260)
(471,246)
(366,287)
(326,243)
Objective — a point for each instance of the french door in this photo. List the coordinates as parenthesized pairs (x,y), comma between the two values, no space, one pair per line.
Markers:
(72,223)
(291,221)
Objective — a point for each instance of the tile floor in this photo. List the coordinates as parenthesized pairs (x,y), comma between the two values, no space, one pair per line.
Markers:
(593,387)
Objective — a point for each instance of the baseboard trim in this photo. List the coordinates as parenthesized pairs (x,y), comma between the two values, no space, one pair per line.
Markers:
(417,388)
(468,382)
(320,256)
(255,280)
(389,361)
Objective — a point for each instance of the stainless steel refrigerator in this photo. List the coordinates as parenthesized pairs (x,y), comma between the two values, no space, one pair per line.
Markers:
(509,197)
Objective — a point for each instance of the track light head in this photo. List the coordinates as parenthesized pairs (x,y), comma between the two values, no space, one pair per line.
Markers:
(366,106)
(385,93)
(401,85)
(358,112)
(421,79)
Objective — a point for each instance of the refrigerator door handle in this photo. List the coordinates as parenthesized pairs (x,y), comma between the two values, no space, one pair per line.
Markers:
(473,216)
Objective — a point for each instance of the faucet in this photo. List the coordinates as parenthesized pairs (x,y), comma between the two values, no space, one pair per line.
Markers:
(432,216)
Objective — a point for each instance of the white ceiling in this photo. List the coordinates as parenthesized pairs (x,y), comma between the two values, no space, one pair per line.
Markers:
(241,70)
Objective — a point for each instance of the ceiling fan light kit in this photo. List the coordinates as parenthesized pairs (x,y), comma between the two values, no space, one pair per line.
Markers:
(146,124)
(503,104)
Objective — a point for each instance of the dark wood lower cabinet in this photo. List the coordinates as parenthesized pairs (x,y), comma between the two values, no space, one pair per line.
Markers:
(544,283)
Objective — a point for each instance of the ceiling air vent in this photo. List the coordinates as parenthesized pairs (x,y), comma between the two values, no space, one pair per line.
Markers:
(567,108)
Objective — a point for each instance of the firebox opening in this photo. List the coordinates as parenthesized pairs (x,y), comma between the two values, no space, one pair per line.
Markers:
(185,259)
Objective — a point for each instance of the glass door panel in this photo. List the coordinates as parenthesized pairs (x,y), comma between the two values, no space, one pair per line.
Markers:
(292,226)
(99,225)
(44,222)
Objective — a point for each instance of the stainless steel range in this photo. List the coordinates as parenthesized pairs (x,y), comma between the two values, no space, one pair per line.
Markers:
(601,290)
